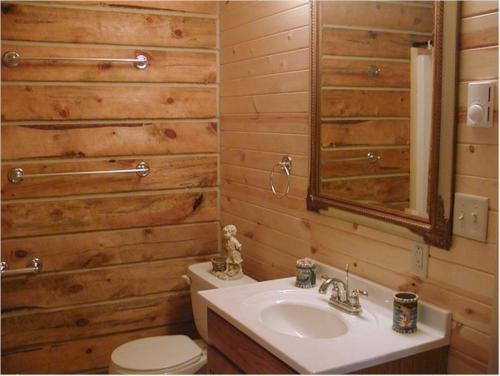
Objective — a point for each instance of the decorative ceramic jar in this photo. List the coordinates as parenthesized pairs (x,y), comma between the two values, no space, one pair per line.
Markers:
(306,273)
(218,264)
(405,312)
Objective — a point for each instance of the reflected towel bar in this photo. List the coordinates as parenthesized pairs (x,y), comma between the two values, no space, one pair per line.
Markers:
(12,59)
(370,157)
(16,175)
(370,70)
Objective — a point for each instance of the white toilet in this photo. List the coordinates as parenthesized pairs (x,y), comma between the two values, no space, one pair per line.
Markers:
(175,354)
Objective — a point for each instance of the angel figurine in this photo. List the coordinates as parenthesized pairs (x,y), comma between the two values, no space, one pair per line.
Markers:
(233,249)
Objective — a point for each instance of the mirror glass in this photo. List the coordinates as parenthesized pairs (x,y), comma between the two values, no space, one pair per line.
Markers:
(383,95)
(375,102)
(376,78)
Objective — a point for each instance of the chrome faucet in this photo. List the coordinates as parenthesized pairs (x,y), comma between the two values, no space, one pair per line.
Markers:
(341,298)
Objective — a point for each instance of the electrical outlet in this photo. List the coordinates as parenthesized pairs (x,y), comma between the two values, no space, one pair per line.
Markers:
(419,259)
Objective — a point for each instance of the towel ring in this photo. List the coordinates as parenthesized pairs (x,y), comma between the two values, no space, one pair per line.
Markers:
(286,167)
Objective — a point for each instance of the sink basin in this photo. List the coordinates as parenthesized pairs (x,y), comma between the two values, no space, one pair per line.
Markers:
(302,321)
(303,314)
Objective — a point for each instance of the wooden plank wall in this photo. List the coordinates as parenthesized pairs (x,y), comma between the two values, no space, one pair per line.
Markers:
(113,247)
(264,115)
(350,128)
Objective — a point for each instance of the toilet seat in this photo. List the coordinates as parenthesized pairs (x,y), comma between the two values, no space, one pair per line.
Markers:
(158,355)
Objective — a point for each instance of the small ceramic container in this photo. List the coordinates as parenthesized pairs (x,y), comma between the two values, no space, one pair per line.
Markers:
(405,312)
(218,263)
(306,273)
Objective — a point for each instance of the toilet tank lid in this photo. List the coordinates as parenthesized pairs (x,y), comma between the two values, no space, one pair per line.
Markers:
(156,353)
(202,270)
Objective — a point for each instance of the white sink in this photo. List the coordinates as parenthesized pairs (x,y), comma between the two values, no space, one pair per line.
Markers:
(303,314)
(303,330)
(302,321)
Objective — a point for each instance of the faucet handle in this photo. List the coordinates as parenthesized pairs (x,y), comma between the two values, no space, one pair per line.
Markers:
(359,292)
(324,277)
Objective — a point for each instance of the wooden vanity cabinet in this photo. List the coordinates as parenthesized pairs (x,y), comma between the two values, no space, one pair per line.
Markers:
(233,352)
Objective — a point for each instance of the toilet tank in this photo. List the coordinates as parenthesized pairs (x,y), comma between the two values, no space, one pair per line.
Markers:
(202,279)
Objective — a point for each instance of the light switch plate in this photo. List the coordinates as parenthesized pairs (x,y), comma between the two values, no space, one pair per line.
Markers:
(470,216)
(419,259)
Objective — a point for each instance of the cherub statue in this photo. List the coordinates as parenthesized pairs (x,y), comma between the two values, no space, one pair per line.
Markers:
(233,246)
(233,255)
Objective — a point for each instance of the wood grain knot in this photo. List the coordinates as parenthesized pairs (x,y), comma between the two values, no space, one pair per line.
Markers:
(82,322)
(74,289)
(199,200)
(170,133)
(20,253)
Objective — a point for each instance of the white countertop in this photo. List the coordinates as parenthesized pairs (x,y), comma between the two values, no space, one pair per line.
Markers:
(368,342)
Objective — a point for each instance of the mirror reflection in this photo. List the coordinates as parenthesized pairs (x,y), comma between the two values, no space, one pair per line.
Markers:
(375,94)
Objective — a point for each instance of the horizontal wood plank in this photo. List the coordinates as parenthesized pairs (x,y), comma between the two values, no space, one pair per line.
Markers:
(268,103)
(479,64)
(106,248)
(54,290)
(352,72)
(54,102)
(163,66)
(92,320)
(236,13)
(263,160)
(336,163)
(477,160)
(286,143)
(101,213)
(273,44)
(270,123)
(81,354)
(259,178)
(348,42)
(476,7)
(205,7)
(278,63)
(276,83)
(101,139)
(365,132)
(290,19)
(376,190)
(54,24)
(479,31)
(344,103)
(378,14)
(165,173)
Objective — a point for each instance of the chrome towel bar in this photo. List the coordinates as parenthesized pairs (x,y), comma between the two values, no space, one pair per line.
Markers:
(12,59)
(34,267)
(17,175)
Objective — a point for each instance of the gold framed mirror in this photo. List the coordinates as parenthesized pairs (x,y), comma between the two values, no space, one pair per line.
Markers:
(383,100)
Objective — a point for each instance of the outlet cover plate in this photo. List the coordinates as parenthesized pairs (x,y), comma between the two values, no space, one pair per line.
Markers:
(419,259)
(470,216)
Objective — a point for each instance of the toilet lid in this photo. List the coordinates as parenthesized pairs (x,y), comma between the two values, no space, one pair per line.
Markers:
(156,353)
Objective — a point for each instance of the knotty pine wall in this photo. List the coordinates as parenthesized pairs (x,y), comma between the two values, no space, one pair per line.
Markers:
(113,247)
(264,115)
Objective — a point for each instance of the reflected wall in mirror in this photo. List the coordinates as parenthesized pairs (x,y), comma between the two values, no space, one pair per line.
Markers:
(377,99)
